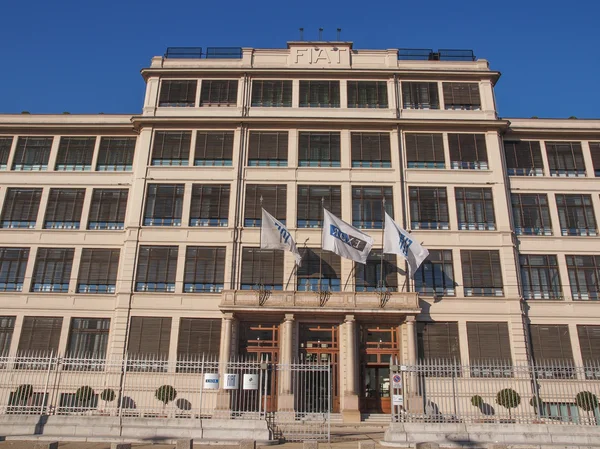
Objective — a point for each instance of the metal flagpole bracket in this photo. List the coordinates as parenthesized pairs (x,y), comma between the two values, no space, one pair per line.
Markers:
(384,294)
(262,294)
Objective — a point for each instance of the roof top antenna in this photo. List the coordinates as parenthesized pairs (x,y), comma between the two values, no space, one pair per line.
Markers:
(320,34)
(301,33)
(339,30)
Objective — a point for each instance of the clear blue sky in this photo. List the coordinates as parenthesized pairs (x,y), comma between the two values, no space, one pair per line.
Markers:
(84,57)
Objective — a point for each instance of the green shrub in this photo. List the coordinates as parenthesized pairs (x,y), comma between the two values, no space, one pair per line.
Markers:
(166,394)
(476,401)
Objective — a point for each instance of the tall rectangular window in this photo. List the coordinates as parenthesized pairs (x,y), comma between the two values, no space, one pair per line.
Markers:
(149,335)
(116,154)
(584,277)
(75,153)
(156,269)
(108,208)
(320,271)
(5,146)
(272,198)
(531,214)
(52,270)
(424,150)
(523,158)
(210,205)
(438,341)
(20,208)
(428,208)
(271,93)
(565,159)
(164,205)
(379,273)
(576,214)
(214,148)
(367,94)
(319,94)
(371,150)
(435,276)
(199,336)
(551,343)
(98,270)
(171,148)
(368,206)
(204,269)
(32,153)
(461,96)
(178,93)
(468,152)
(482,273)
(219,93)
(595,152)
(88,338)
(539,277)
(311,201)
(475,209)
(13,263)
(589,342)
(268,149)
(261,268)
(420,95)
(319,149)
(40,335)
(64,209)
(489,343)
(7,327)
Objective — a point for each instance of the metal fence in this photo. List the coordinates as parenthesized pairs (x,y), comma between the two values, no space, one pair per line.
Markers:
(441,391)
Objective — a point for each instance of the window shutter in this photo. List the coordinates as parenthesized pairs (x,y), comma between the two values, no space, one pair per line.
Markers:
(171,146)
(13,263)
(108,205)
(367,94)
(64,205)
(210,205)
(435,276)
(178,93)
(77,151)
(523,155)
(205,265)
(424,148)
(199,336)
(32,151)
(481,269)
(488,343)
(565,157)
(551,343)
(268,146)
(149,336)
(319,149)
(157,264)
(88,337)
(320,94)
(5,146)
(367,206)
(531,214)
(116,152)
(164,202)
(589,342)
(21,205)
(52,266)
(428,205)
(7,327)
(98,266)
(274,201)
(262,266)
(368,277)
(461,95)
(214,146)
(438,341)
(319,264)
(467,147)
(595,152)
(370,147)
(219,93)
(417,95)
(310,207)
(40,334)
(271,93)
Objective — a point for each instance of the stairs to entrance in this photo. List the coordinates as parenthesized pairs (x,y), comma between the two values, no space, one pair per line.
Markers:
(375,418)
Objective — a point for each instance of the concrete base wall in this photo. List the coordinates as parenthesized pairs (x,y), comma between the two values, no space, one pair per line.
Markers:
(133,429)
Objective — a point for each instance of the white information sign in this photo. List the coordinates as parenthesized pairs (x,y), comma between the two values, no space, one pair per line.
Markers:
(231,382)
(250,382)
(211,381)
(397,399)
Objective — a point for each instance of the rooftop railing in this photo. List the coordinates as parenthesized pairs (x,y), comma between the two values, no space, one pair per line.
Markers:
(209,53)
(427,54)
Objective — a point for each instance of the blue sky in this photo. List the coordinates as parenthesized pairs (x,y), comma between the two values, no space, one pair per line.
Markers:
(85,57)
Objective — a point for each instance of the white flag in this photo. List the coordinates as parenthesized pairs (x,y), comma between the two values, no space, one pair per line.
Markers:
(274,235)
(397,241)
(345,240)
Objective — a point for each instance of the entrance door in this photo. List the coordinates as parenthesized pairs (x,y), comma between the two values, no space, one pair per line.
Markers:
(377,389)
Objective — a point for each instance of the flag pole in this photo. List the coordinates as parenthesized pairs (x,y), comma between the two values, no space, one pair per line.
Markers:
(260,279)
(321,251)
(382,243)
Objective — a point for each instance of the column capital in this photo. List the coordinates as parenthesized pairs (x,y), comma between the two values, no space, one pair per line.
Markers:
(349,319)
(410,319)
(228,316)
(288,317)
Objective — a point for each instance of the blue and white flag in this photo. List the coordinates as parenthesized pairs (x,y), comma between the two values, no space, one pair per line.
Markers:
(397,241)
(345,240)
(274,235)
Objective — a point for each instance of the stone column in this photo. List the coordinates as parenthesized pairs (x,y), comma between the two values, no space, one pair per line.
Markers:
(222,405)
(411,339)
(285,400)
(412,400)
(350,410)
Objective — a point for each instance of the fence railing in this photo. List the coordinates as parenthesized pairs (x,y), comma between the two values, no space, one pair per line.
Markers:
(441,391)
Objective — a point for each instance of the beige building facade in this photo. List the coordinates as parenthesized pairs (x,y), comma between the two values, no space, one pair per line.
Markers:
(140,233)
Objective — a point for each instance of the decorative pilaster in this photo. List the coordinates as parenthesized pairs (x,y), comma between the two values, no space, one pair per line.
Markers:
(350,409)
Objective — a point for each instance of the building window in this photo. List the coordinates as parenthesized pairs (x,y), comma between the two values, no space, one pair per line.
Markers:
(428,208)
(88,338)
(551,344)
(271,94)
(371,277)
(424,150)
(539,277)
(531,214)
(261,268)
(198,338)
(149,336)
(318,149)
(435,276)
(371,150)
(13,262)
(576,215)
(32,153)
(204,269)
(178,93)
(523,158)
(589,342)
(565,159)
(108,208)
(7,327)
(462,96)
(20,208)
(320,271)
(214,148)
(368,206)
(52,270)
(116,154)
(584,277)
(164,205)
(489,344)
(311,201)
(319,94)
(40,335)
(75,153)
(5,146)
(438,341)
(367,94)
(468,152)
(482,273)
(64,209)
(210,205)
(157,268)
(219,93)
(418,95)
(268,149)
(475,209)
(595,152)
(171,148)
(272,198)
(98,270)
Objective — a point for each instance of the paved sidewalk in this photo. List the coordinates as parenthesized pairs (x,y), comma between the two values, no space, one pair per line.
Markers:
(77,445)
